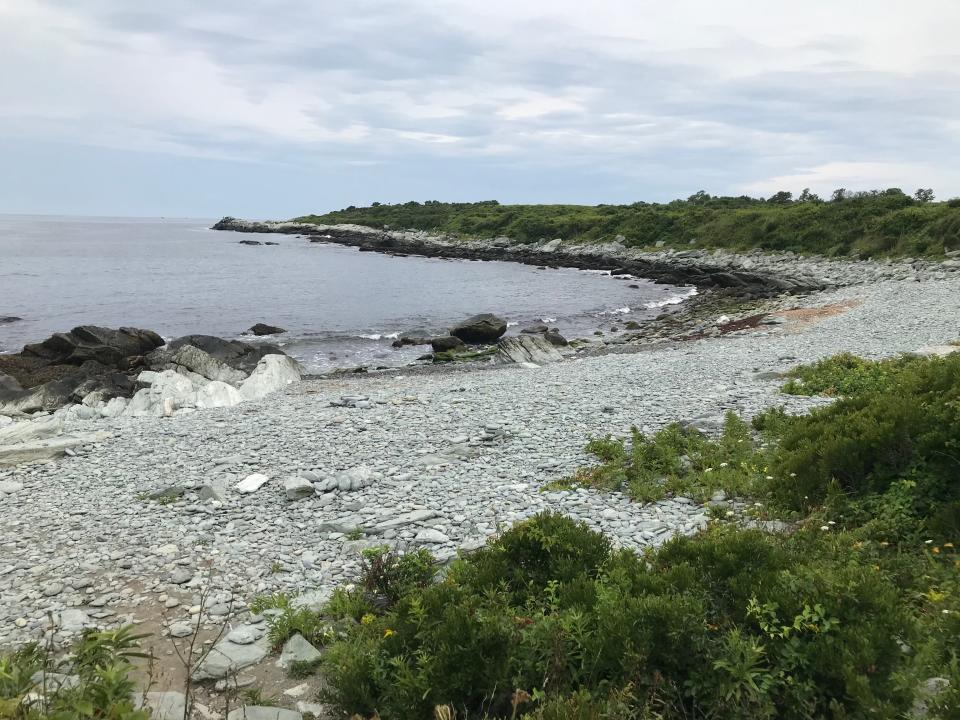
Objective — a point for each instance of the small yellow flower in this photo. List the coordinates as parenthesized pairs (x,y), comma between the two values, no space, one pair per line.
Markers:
(367,619)
(388,632)
(935,551)
(948,545)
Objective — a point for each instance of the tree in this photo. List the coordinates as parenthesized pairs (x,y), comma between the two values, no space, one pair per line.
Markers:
(807,196)
(838,195)
(923,196)
(782,198)
(699,197)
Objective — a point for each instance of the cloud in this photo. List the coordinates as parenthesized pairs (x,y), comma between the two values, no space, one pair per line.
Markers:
(661,98)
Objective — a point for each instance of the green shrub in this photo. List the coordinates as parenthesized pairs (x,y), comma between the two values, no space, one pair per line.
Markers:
(102,665)
(550,620)
(907,427)
(869,224)
(846,374)
(676,461)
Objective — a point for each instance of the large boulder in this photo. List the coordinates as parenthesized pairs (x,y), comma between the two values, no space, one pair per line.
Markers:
(238,355)
(444,344)
(483,328)
(89,342)
(527,349)
(272,373)
(203,363)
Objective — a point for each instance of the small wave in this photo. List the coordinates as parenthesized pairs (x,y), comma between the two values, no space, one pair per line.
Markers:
(511,324)
(548,320)
(616,311)
(380,336)
(672,300)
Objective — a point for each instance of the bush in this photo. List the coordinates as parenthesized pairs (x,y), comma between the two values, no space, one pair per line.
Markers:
(903,424)
(845,374)
(675,461)
(551,622)
(101,663)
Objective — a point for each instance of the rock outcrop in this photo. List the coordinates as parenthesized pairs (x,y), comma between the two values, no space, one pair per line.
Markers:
(527,349)
(98,372)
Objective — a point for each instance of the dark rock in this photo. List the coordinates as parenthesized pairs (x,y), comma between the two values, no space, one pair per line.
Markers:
(555,338)
(236,354)
(443,344)
(89,342)
(248,242)
(109,385)
(483,328)
(271,243)
(264,329)
(535,329)
(414,337)
(7,319)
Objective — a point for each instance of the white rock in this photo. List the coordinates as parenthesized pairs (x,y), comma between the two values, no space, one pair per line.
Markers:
(251,483)
(218,394)
(8,487)
(114,408)
(169,388)
(298,488)
(273,372)
(429,535)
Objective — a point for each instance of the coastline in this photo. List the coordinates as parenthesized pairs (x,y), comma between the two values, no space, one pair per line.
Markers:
(749,276)
(453,454)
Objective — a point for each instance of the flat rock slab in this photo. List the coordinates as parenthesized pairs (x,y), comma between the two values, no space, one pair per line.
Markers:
(408,518)
(48,449)
(226,658)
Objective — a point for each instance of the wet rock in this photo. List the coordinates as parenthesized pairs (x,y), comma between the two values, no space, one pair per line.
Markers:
(483,328)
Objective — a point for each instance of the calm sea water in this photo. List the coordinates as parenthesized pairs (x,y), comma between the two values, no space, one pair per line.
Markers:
(341,307)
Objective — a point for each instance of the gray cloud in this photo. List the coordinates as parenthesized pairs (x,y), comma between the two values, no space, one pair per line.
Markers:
(725,103)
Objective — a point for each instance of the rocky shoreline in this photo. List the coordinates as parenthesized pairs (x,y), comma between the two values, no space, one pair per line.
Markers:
(178,520)
(744,276)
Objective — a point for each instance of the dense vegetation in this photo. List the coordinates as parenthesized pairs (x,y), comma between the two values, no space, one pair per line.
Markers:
(842,617)
(848,613)
(875,223)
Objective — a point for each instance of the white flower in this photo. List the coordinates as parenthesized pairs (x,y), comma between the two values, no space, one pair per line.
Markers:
(927,542)
(723,464)
(824,527)
(708,470)
(769,477)
(831,522)
(794,475)
(729,513)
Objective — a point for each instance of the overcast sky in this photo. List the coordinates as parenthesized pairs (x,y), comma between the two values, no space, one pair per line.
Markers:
(283,107)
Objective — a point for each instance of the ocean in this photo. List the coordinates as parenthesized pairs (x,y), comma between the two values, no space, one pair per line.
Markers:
(341,307)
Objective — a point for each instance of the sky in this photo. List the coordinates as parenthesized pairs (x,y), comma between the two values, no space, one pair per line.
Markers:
(278,108)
